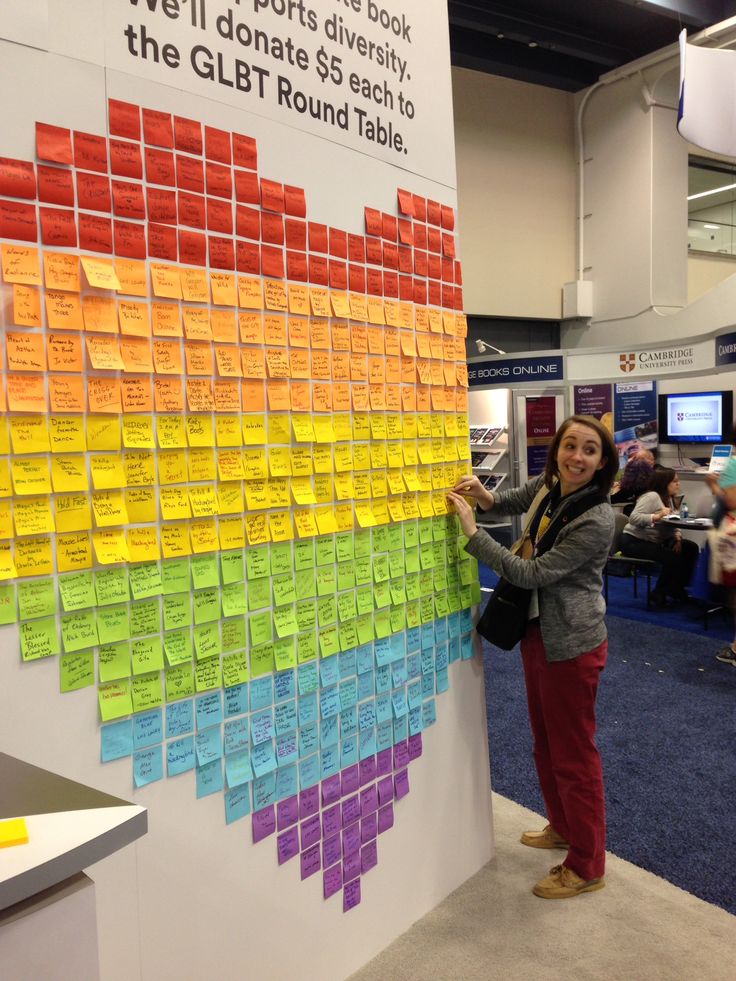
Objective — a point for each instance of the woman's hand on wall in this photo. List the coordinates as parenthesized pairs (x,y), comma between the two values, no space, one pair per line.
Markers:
(464,513)
(470,486)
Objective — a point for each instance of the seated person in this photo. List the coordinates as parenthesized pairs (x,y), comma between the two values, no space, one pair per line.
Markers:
(634,480)
(648,536)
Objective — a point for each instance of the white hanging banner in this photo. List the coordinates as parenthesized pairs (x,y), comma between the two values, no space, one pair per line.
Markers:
(707,111)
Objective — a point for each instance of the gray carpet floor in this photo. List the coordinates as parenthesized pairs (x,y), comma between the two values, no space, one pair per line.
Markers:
(639,928)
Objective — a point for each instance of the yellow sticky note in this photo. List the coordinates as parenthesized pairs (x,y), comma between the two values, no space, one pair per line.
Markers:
(73,512)
(30,475)
(301,488)
(200,431)
(29,434)
(303,429)
(100,273)
(203,501)
(255,466)
(228,431)
(7,565)
(66,434)
(143,544)
(141,504)
(110,547)
(139,467)
(175,541)
(33,516)
(33,557)
(6,521)
(73,552)
(103,433)
(109,508)
(107,471)
(306,525)
(201,464)
(326,521)
(6,486)
(278,429)
(254,430)
(69,473)
(257,529)
(364,514)
(138,432)
(232,533)
(279,461)
(13,832)
(230,465)
(280,526)
(323,429)
(174,503)
(229,499)
(171,432)
(203,536)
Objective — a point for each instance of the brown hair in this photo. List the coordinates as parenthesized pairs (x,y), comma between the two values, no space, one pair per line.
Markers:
(603,478)
(660,481)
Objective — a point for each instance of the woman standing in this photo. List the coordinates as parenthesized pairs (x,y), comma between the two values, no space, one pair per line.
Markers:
(565,645)
(648,536)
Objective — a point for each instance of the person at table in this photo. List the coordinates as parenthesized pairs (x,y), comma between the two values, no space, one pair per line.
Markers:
(634,480)
(649,536)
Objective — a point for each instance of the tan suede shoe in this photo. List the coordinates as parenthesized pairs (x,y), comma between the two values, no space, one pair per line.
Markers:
(563,883)
(543,839)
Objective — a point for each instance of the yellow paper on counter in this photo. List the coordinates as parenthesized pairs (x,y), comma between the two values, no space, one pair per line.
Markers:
(13,832)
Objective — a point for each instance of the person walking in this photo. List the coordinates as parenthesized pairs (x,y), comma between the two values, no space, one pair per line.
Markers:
(565,644)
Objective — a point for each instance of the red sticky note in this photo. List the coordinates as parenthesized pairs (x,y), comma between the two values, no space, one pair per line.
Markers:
(296,266)
(405,260)
(356,278)
(338,275)
(160,167)
(90,152)
(448,295)
(191,209)
(247,189)
(245,153)
(295,202)
(421,266)
(58,227)
(222,252)
(420,236)
(249,258)
(373,250)
(192,247)
(356,248)
(190,174)
(317,237)
(406,237)
(127,200)
(187,135)
(53,143)
(272,228)
(157,128)
(296,234)
(318,270)
(272,195)
(390,255)
(272,261)
(407,288)
(434,239)
(338,243)
(373,222)
(434,266)
(390,283)
(374,282)
(219,216)
(162,242)
(448,245)
(434,213)
(55,185)
(458,298)
(389,227)
(434,292)
(448,271)
(247,222)
(17,178)
(95,233)
(406,205)
(124,119)
(420,207)
(125,159)
(129,240)
(217,145)
(18,221)
(458,273)
(161,205)
(219,180)
(93,192)
(447,215)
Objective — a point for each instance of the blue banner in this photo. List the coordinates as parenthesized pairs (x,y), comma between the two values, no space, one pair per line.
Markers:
(726,348)
(635,417)
(515,371)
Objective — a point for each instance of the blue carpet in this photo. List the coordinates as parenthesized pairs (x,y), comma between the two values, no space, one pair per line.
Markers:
(666,723)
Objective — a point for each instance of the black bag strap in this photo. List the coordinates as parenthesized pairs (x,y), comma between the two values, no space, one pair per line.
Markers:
(565,515)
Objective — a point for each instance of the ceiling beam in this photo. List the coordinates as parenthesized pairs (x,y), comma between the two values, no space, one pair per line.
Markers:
(692,13)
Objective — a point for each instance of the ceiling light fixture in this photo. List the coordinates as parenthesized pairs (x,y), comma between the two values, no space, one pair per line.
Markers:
(533,44)
(716,190)
(706,225)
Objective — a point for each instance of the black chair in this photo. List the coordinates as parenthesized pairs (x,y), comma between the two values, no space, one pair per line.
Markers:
(632,567)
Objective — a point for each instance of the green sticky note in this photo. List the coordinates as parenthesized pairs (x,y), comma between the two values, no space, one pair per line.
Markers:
(348,635)
(77,591)
(257,562)
(305,584)
(145,617)
(426,556)
(8,604)
(364,625)
(439,579)
(147,654)
(475,593)
(284,618)
(177,611)
(394,538)
(398,618)
(79,630)
(76,671)
(363,571)
(425,531)
(325,550)
(232,565)
(439,528)
(113,661)
(175,576)
(306,647)
(261,660)
(235,669)
(438,553)
(178,646)
(426,583)
(261,628)
(145,580)
(412,587)
(282,559)
(398,591)
(466,596)
(329,641)
(327,611)
(379,539)
(426,609)
(346,606)
(146,691)
(452,574)
(179,682)
(380,568)
(205,572)
(206,605)
(37,598)
(306,614)
(411,534)
(344,546)
(382,595)
(441,605)
(362,543)
(39,638)
(326,580)
(412,614)
(234,599)
(396,564)
(382,624)
(304,554)
(111,586)
(115,700)
(113,624)
(345,575)
(284,589)
(259,593)
(208,674)
(207,640)
(411,560)
(232,633)
(364,600)
(454,601)
(284,653)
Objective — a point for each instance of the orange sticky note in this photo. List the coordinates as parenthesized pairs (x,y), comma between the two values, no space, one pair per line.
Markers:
(26,306)
(167,357)
(320,301)
(20,264)
(194,286)
(134,318)
(65,352)
(274,329)
(136,394)
(165,280)
(227,395)
(136,354)
(104,353)
(251,328)
(26,393)
(63,311)
(250,293)
(224,326)
(228,360)
(199,358)
(104,395)
(26,352)
(66,393)
(61,271)
(278,395)
(224,290)
(196,323)
(166,320)
(168,394)
(100,314)
(132,277)
(275,295)
(100,273)
(298,298)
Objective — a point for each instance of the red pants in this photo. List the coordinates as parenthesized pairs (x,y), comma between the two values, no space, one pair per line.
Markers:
(561,698)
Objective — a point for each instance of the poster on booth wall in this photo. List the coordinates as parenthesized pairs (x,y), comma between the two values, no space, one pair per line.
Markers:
(635,418)
(596,401)
(540,429)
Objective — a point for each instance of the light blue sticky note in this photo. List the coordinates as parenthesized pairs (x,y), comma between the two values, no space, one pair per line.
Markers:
(383,678)
(443,681)
(429,713)
(364,658)
(453,625)
(349,752)
(427,636)
(236,699)
(383,708)
(367,743)
(148,765)
(179,718)
(414,665)
(208,745)
(399,675)
(261,692)
(287,782)
(348,693)
(366,684)
(440,630)
(309,772)
(349,722)
(413,639)
(287,749)
(263,759)
(330,761)
(236,735)
(383,651)
(398,646)
(284,685)
(180,755)
(466,621)
(148,728)
(329,671)
(261,727)
(210,779)
(237,803)
(415,721)
(466,647)
(308,739)
(401,728)
(398,700)
(329,731)
(414,695)
(308,678)
(264,791)
(366,715)
(208,709)
(453,650)
(384,736)
(427,685)
(285,717)
(347,661)
(307,709)
(441,658)
(427,661)
(238,769)
(116,740)
(329,702)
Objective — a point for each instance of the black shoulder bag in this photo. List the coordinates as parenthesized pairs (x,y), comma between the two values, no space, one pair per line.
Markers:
(506,614)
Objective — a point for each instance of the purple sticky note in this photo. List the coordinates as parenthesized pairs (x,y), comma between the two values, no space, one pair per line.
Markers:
(308,802)
(287,812)
(351,839)
(368,856)
(311,831)
(386,818)
(332,821)
(401,784)
(385,790)
(401,755)
(331,790)
(369,827)
(384,762)
(311,861)
(415,746)
(368,800)
(263,823)
(350,780)
(351,867)
(367,770)
(331,850)
(351,895)
(287,844)
(350,810)
(332,879)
